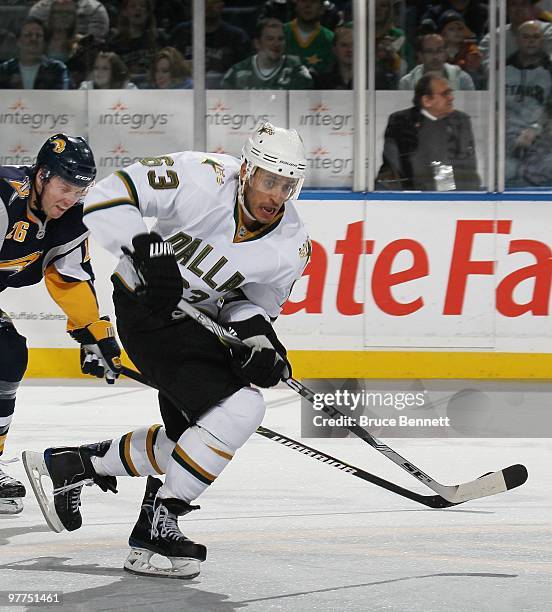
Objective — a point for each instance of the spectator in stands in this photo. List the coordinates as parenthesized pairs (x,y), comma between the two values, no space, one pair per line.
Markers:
(32,69)
(461,48)
(169,12)
(433,54)
(284,10)
(474,12)
(430,146)
(270,67)
(137,38)
(307,38)
(170,70)
(109,72)
(62,26)
(92,17)
(340,75)
(528,106)
(8,42)
(519,11)
(389,35)
(225,44)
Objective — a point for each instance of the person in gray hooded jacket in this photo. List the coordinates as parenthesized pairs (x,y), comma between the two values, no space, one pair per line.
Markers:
(433,53)
(528,102)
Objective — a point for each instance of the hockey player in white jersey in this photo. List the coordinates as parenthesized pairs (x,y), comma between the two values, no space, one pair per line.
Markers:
(227,239)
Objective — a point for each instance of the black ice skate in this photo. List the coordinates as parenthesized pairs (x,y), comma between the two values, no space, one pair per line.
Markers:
(157,531)
(69,468)
(11,493)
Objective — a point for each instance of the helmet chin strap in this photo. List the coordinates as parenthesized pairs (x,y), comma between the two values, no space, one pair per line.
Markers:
(241,193)
(38,196)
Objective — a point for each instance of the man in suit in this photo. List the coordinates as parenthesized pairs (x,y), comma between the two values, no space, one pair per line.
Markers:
(430,146)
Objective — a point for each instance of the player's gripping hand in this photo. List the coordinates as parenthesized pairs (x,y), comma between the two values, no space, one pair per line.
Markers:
(100,354)
(265,364)
(158,270)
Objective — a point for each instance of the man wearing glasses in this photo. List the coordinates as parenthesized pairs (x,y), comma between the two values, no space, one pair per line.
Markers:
(430,146)
(433,55)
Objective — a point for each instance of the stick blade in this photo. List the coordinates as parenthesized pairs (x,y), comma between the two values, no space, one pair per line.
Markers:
(489,484)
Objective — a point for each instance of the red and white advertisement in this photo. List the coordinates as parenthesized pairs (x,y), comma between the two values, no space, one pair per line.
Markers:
(424,274)
(383,274)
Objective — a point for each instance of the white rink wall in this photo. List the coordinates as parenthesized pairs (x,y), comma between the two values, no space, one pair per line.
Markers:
(391,274)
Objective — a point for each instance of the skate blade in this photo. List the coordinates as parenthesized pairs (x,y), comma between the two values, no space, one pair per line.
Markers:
(11,506)
(138,563)
(36,468)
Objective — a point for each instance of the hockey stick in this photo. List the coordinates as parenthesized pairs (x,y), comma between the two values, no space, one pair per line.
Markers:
(432,501)
(489,484)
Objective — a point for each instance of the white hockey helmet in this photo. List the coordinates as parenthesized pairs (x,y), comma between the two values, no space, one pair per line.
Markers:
(276,150)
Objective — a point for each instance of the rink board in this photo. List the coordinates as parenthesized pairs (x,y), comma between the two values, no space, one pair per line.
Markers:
(386,293)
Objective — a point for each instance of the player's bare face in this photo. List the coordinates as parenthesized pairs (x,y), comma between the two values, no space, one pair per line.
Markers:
(266,193)
(58,196)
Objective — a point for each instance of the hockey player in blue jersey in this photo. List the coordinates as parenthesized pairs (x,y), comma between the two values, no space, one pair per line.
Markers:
(42,235)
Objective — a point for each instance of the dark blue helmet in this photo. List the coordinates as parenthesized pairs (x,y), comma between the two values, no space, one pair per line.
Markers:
(68,157)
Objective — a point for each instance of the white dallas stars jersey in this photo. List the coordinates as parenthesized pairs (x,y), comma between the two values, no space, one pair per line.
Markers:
(193,198)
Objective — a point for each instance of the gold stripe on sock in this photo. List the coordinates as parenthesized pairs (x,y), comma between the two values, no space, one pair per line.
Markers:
(128,458)
(2,440)
(149,447)
(220,453)
(195,466)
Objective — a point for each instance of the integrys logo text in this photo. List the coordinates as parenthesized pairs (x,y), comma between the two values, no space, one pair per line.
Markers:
(119,114)
(20,114)
(320,115)
(221,115)
(321,159)
(18,155)
(118,157)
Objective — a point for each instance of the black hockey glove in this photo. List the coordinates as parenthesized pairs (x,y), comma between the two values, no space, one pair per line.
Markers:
(100,354)
(158,270)
(265,364)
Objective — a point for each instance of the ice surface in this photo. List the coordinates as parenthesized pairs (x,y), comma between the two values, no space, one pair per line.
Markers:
(283,531)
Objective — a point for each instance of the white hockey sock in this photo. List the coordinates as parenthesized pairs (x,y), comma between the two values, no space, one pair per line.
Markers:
(204,450)
(140,452)
(7,407)
(197,459)
(5,422)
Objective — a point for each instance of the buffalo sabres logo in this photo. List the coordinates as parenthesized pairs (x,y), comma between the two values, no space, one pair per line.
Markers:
(266,128)
(21,189)
(242,232)
(17,265)
(59,145)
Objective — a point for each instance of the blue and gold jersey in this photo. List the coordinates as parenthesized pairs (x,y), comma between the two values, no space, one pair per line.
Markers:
(33,247)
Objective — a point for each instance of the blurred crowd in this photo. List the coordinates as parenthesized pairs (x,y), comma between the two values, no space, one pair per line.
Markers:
(287,44)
